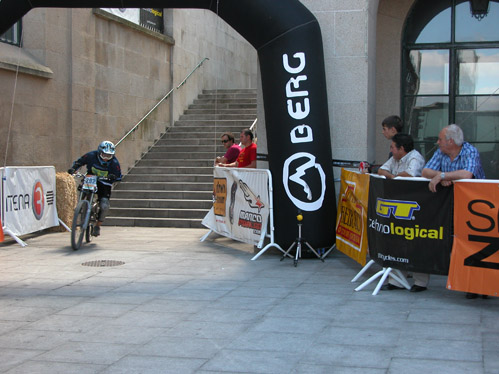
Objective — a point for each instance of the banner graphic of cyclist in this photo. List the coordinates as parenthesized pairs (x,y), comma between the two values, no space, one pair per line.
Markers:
(289,44)
(241,207)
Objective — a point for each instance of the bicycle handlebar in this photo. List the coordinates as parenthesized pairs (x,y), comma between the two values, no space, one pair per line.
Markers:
(77,174)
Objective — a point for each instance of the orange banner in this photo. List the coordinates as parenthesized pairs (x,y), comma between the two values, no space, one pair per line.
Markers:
(351,222)
(474,265)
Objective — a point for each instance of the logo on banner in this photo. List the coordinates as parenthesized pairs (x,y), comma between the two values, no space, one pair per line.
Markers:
(248,219)
(38,200)
(399,209)
(402,210)
(485,224)
(253,200)
(349,226)
(220,189)
(307,166)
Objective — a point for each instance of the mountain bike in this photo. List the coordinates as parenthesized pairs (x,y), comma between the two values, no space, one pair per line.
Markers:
(86,211)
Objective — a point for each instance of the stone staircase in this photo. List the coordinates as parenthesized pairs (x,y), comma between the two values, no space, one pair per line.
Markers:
(171,186)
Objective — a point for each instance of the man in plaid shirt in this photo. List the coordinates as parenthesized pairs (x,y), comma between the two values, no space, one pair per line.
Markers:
(455,159)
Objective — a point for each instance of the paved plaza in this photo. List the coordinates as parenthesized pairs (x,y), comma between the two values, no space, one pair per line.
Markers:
(164,302)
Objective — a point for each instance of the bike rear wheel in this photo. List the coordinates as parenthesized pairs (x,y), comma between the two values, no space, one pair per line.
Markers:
(80,223)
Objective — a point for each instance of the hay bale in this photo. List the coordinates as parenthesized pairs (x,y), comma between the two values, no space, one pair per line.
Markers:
(67,198)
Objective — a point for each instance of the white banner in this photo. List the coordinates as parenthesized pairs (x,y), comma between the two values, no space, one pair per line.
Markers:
(28,199)
(241,209)
(131,14)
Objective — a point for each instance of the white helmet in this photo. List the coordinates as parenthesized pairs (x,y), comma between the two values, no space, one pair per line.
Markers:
(106,150)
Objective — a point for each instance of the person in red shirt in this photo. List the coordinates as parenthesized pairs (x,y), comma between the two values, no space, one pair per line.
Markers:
(247,157)
(232,152)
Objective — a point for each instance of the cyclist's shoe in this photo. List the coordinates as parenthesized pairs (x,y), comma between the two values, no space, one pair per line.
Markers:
(96,231)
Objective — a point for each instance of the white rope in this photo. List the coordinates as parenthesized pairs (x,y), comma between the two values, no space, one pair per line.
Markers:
(216,84)
(13,101)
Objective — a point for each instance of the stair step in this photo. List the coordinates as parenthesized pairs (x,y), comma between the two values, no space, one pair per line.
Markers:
(171,170)
(211,124)
(215,148)
(226,95)
(190,141)
(206,129)
(184,155)
(225,106)
(148,222)
(155,194)
(175,162)
(214,110)
(162,203)
(161,178)
(158,213)
(218,100)
(217,116)
(166,186)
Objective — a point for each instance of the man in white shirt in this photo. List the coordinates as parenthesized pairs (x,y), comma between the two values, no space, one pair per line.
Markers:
(405,162)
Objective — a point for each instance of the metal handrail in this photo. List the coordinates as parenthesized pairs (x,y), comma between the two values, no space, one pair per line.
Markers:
(163,99)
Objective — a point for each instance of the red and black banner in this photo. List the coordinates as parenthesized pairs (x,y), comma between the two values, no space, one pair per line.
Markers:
(409,227)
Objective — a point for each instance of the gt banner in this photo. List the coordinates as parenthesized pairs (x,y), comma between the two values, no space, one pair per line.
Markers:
(28,199)
(409,227)
(241,207)
(474,265)
(351,237)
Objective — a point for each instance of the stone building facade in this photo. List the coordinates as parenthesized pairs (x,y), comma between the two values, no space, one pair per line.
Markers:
(104,75)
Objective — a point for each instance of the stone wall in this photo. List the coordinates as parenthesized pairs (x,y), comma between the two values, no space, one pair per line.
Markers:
(103,76)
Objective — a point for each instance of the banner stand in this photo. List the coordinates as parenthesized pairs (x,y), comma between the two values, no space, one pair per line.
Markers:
(324,255)
(13,236)
(64,225)
(384,273)
(269,233)
(270,227)
(364,269)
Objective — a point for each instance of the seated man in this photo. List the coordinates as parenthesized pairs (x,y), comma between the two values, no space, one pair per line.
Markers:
(405,162)
(247,157)
(455,159)
(232,152)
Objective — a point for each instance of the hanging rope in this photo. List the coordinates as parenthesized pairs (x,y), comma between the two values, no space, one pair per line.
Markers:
(216,87)
(7,140)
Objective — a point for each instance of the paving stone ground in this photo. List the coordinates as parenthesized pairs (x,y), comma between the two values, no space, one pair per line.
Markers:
(178,305)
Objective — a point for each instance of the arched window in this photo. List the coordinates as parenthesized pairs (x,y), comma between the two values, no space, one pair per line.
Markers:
(450,74)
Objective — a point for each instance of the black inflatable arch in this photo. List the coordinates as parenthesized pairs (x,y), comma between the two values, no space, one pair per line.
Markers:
(288,40)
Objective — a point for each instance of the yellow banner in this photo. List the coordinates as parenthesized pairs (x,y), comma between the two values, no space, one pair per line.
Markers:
(474,265)
(351,223)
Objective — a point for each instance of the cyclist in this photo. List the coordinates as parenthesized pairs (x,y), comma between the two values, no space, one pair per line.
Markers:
(104,164)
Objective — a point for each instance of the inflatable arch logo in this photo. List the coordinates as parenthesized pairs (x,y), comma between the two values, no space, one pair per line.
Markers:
(289,45)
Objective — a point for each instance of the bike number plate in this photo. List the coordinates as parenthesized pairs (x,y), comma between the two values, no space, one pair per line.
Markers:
(90,183)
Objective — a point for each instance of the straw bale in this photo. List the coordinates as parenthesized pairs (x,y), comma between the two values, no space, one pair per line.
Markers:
(67,198)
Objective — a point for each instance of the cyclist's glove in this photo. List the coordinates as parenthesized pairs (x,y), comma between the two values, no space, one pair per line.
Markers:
(71,171)
(111,177)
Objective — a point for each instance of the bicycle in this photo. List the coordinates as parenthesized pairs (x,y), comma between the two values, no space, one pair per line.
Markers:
(86,211)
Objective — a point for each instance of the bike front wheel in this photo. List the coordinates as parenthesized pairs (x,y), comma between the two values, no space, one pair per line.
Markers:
(80,223)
